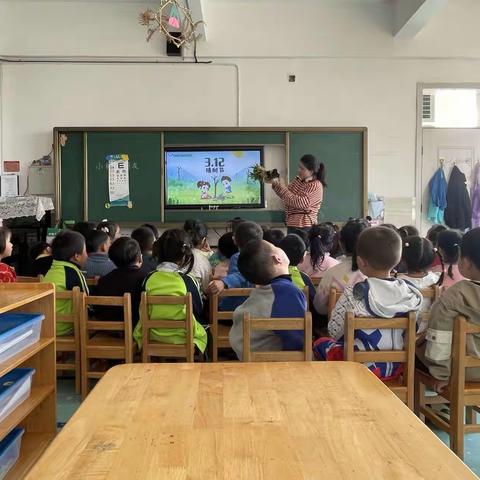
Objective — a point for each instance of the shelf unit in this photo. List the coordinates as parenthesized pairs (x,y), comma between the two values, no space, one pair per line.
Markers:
(37,415)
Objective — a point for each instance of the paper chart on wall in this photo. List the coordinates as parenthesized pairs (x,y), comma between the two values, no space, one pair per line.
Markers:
(118,181)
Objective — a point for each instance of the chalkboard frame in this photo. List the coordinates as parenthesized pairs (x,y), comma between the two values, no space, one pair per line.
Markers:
(162,130)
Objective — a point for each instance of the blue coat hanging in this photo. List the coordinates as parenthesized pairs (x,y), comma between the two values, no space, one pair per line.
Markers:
(438,197)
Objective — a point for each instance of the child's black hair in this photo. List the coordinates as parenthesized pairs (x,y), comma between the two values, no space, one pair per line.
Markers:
(95,239)
(110,228)
(175,246)
(246,232)
(408,231)
(349,236)
(37,249)
(433,232)
(469,247)
(418,253)
(255,262)
(381,247)
(153,228)
(294,247)
(449,242)
(124,252)
(84,227)
(67,244)
(226,245)
(274,236)
(145,238)
(5,234)
(320,239)
(197,230)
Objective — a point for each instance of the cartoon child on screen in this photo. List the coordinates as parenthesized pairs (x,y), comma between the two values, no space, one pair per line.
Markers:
(227,185)
(204,188)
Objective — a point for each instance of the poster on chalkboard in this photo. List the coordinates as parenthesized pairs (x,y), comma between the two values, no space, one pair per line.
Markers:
(118,181)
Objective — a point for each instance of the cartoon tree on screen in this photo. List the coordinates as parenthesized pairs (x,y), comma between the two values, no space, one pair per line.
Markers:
(179,169)
(215,179)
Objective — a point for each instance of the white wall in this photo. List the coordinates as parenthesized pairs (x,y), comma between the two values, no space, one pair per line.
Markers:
(350,72)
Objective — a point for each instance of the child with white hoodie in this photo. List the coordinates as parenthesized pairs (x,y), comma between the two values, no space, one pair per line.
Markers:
(379,250)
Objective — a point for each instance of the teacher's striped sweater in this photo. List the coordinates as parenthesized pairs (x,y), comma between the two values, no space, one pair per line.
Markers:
(302,201)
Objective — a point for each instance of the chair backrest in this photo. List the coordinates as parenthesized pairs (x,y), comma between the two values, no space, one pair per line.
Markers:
(36,279)
(113,325)
(460,359)
(306,292)
(151,348)
(77,298)
(92,282)
(405,356)
(275,324)
(432,293)
(215,313)
(333,297)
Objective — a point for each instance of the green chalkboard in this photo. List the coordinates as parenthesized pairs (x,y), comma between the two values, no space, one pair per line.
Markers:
(342,151)
(71,177)
(342,154)
(143,150)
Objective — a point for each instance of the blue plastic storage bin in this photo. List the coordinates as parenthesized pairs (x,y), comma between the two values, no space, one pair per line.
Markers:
(15,388)
(10,450)
(17,332)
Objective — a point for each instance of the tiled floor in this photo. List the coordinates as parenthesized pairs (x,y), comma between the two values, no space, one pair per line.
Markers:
(68,402)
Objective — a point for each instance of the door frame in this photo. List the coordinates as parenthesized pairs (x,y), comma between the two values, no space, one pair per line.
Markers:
(419,138)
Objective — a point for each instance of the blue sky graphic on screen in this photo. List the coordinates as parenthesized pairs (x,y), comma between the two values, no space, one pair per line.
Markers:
(221,177)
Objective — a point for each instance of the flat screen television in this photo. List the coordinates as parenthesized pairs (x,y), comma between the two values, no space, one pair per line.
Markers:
(209,178)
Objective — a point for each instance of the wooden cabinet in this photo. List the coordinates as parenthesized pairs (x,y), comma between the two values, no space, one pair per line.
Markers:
(38,413)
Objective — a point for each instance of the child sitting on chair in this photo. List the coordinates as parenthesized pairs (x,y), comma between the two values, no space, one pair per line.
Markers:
(174,252)
(296,249)
(220,260)
(98,263)
(244,233)
(318,260)
(417,256)
(128,277)
(7,273)
(145,237)
(261,263)
(347,271)
(463,298)
(69,257)
(379,250)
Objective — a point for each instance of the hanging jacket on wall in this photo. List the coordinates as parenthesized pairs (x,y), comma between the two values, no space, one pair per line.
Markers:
(458,213)
(438,197)
(476,197)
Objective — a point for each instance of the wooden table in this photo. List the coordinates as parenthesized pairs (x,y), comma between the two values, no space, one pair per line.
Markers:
(245,421)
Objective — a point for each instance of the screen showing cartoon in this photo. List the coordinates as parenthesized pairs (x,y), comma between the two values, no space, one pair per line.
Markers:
(207,178)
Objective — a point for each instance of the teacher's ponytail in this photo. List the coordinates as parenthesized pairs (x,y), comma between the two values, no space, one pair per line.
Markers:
(321,174)
(315,166)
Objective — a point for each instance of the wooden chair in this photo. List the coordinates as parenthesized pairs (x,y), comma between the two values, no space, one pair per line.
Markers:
(71,343)
(432,293)
(92,282)
(151,348)
(402,387)
(333,297)
(220,331)
(36,279)
(97,341)
(459,393)
(263,324)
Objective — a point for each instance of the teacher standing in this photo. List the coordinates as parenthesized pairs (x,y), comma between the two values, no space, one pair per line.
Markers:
(303,197)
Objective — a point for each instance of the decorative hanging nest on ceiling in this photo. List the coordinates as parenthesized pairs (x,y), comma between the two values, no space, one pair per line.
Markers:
(174,20)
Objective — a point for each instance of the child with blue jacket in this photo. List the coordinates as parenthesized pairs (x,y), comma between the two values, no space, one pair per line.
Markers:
(245,233)
(276,296)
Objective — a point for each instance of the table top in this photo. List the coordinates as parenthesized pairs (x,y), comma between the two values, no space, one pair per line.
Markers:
(292,421)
